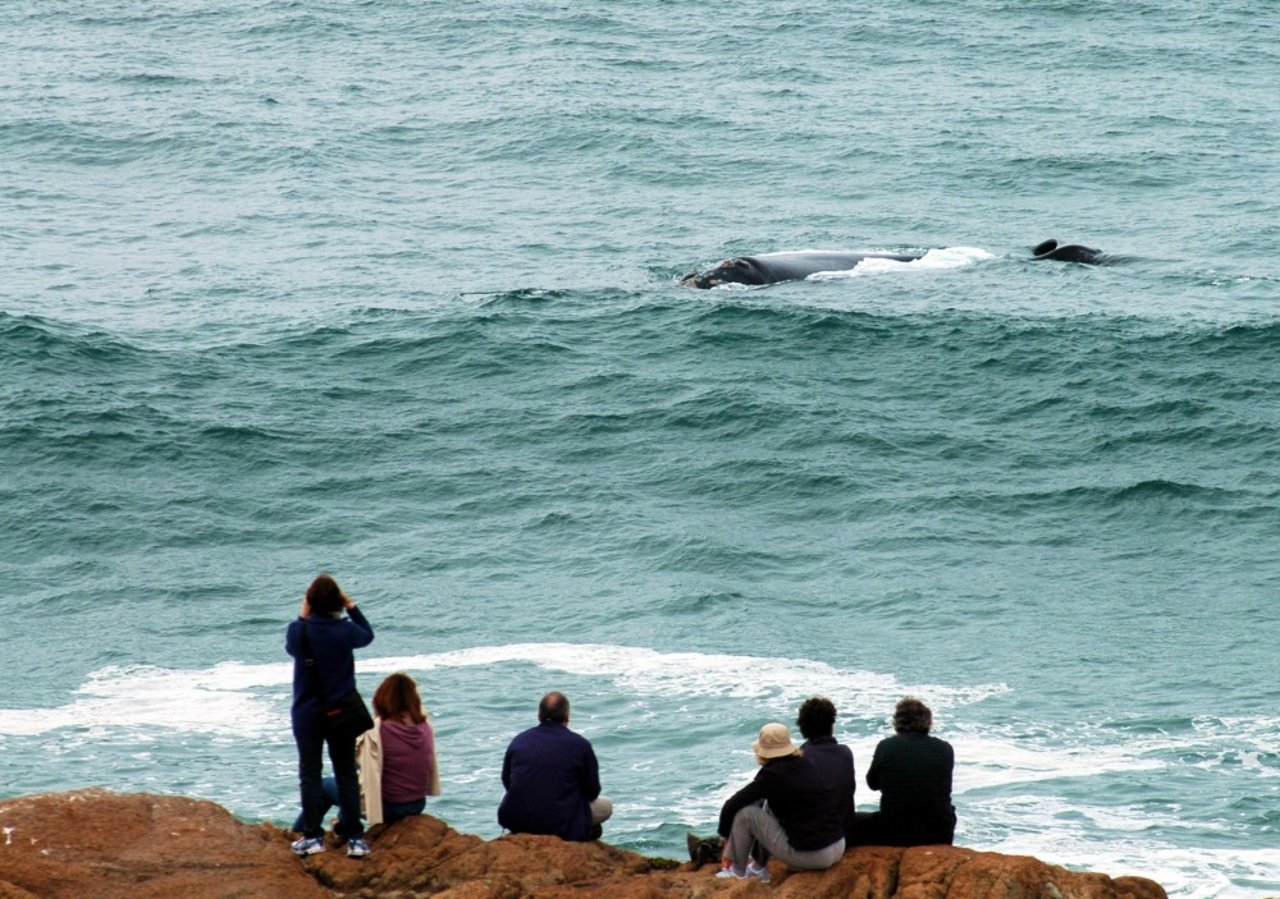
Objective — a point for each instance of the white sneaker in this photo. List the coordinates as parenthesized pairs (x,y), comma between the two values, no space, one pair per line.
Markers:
(761,871)
(729,872)
(307,846)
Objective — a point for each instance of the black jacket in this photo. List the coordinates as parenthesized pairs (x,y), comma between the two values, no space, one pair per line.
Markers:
(912,771)
(797,796)
(835,763)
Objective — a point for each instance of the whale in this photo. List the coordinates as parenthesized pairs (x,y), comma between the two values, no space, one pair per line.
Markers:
(1072,252)
(771,268)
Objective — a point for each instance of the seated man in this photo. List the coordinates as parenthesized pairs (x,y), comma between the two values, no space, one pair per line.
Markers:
(552,779)
(912,771)
(834,761)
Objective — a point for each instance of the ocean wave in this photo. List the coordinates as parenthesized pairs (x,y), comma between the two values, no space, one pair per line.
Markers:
(105,145)
(244,699)
(25,339)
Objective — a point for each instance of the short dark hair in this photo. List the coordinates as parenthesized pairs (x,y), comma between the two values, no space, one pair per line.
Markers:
(912,716)
(554,707)
(324,596)
(817,717)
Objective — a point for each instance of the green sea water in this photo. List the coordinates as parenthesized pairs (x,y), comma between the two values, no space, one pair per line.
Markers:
(389,289)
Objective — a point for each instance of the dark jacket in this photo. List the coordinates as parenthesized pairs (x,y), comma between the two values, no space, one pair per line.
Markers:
(332,641)
(835,763)
(912,771)
(797,796)
(551,775)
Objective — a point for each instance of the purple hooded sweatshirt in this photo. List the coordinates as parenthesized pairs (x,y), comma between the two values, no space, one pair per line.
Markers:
(408,759)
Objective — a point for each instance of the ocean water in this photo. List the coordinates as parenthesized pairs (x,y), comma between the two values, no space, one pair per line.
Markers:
(388,289)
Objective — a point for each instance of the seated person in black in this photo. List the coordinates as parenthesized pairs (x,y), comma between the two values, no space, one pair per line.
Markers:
(834,761)
(912,771)
(786,811)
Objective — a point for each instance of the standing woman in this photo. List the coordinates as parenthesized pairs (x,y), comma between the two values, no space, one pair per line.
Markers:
(323,634)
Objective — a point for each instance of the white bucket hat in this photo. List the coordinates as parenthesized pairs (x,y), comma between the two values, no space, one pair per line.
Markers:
(774,741)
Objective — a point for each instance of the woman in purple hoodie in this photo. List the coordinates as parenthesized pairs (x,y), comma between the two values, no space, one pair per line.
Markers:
(398,768)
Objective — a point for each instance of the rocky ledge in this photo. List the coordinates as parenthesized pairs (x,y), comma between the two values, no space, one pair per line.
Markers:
(109,845)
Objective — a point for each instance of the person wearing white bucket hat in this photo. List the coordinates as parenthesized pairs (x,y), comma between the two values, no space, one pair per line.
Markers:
(787,811)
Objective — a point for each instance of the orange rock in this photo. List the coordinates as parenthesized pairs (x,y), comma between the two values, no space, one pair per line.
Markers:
(112,846)
(109,845)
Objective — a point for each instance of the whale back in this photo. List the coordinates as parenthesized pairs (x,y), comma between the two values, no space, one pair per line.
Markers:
(1072,252)
(799,265)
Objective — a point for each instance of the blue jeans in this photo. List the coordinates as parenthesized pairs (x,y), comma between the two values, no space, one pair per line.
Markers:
(342,754)
(330,787)
(391,811)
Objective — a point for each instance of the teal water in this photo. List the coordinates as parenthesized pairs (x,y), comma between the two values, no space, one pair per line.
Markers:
(388,289)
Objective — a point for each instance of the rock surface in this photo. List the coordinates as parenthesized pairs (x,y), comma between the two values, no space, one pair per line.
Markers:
(112,846)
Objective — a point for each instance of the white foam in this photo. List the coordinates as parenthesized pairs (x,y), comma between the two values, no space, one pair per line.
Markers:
(649,672)
(235,698)
(1197,872)
(1070,819)
(991,762)
(212,700)
(932,260)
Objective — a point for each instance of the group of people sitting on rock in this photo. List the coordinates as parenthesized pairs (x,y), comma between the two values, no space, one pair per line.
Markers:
(799,807)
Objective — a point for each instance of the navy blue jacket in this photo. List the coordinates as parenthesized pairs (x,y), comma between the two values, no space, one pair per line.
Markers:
(551,775)
(332,641)
(835,763)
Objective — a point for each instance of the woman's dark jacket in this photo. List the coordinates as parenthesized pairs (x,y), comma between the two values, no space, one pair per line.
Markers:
(332,641)
(798,797)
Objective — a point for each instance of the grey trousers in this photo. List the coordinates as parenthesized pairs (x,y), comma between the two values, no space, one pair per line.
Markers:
(601,809)
(756,826)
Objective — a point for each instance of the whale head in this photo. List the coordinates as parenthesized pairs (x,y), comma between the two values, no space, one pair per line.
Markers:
(741,270)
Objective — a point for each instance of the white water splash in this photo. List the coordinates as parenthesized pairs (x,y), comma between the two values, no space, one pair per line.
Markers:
(933,260)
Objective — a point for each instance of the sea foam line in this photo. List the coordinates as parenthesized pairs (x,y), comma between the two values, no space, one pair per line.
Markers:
(233,697)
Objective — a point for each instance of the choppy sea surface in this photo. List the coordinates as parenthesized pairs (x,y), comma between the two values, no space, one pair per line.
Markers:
(388,289)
